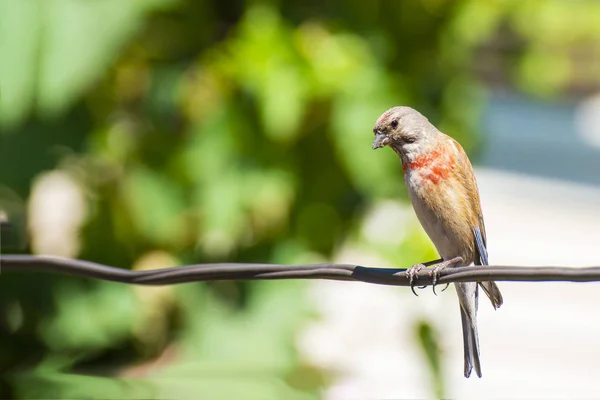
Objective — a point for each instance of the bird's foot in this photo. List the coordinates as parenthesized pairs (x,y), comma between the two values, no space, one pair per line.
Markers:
(435,272)
(412,273)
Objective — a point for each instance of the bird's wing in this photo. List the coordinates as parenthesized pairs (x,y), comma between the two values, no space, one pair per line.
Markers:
(481,257)
(480,246)
(467,176)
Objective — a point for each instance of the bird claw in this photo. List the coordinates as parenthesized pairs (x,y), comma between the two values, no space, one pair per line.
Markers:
(435,272)
(435,275)
(413,273)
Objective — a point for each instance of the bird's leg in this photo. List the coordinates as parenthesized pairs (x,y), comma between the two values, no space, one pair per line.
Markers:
(413,272)
(435,272)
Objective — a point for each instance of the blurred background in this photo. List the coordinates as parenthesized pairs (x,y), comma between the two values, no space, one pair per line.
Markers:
(153,133)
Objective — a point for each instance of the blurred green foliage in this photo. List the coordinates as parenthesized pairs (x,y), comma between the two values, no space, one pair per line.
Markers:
(427,338)
(227,131)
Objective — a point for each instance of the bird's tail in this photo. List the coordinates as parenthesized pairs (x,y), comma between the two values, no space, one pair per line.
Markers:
(471,344)
(468,297)
(492,291)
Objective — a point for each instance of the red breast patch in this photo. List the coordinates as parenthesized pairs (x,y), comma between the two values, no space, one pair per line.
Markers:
(439,165)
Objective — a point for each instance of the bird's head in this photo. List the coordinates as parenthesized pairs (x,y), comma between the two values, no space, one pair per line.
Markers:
(402,128)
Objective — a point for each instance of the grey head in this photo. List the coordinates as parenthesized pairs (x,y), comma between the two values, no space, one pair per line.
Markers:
(402,128)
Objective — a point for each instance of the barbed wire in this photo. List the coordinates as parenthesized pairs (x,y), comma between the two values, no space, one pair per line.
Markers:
(340,272)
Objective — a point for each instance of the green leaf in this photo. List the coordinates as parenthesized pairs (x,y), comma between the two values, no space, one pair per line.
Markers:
(52,384)
(81,321)
(374,173)
(267,65)
(53,50)
(428,339)
(19,31)
(155,205)
(282,110)
(244,353)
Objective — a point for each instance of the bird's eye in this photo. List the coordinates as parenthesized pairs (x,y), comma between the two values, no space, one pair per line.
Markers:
(394,123)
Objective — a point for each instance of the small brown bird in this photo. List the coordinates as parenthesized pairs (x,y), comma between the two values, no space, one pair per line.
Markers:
(442,188)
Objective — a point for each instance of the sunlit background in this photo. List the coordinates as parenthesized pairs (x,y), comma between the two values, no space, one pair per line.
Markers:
(153,133)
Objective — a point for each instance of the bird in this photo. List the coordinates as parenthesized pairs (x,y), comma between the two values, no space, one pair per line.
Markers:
(443,191)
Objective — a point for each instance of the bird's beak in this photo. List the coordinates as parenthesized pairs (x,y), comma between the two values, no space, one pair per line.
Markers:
(381,140)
